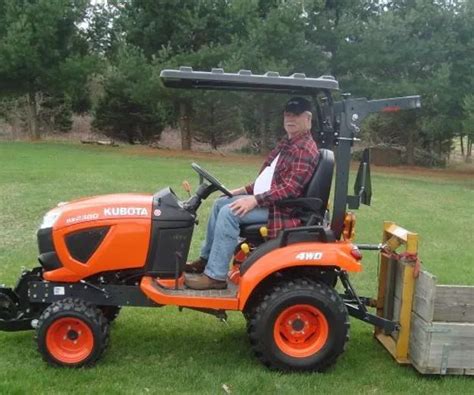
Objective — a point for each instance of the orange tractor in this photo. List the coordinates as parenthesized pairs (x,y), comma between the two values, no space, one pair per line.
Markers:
(103,253)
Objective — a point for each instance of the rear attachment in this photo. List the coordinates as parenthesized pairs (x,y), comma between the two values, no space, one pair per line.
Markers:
(357,307)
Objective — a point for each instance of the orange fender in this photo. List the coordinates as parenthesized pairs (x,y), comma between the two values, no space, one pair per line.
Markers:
(336,254)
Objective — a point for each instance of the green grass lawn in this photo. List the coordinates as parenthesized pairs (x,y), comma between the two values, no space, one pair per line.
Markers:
(164,351)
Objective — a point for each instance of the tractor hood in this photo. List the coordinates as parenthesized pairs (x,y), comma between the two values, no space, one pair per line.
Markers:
(118,206)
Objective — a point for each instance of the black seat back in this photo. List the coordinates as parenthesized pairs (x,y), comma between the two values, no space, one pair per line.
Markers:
(319,185)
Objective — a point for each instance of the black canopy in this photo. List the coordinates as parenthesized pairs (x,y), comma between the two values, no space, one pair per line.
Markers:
(244,80)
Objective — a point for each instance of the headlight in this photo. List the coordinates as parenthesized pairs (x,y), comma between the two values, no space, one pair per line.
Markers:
(49,219)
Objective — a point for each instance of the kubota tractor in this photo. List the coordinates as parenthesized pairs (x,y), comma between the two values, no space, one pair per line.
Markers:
(103,253)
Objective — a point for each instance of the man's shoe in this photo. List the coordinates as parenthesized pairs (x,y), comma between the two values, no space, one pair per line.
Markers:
(202,282)
(196,267)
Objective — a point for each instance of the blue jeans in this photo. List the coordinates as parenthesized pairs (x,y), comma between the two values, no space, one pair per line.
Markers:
(222,236)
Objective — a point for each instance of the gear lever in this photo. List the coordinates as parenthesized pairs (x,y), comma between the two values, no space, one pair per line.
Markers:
(187,187)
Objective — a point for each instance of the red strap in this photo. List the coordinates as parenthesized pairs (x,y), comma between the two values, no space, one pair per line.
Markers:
(408,256)
(412,257)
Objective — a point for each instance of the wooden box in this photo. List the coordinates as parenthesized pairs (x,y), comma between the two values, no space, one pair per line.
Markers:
(442,327)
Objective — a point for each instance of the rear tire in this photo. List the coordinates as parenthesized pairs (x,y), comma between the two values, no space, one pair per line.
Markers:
(300,325)
(72,333)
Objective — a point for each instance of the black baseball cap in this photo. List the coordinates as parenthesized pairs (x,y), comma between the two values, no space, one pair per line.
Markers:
(298,105)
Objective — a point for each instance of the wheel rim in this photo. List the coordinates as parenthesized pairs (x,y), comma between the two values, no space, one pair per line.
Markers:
(69,340)
(301,330)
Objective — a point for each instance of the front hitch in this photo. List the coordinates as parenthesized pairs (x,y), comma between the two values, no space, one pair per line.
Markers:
(8,304)
(16,311)
(11,319)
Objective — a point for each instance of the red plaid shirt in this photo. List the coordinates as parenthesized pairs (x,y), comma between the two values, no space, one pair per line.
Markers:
(298,158)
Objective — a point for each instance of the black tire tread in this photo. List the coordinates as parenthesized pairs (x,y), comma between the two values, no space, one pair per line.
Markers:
(78,307)
(278,291)
(111,313)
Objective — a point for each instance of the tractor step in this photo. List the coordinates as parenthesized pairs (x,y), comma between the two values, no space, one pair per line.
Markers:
(218,299)
(230,292)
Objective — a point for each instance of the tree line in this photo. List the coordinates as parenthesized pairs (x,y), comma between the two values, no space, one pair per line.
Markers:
(59,57)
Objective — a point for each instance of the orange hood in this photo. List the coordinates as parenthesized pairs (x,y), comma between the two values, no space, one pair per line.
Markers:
(117,206)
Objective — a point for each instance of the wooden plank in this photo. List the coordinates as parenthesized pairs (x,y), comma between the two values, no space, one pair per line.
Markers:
(389,289)
(387,342)
(431,370)
(458,336)
(398,289)
(451,356)
(390,346)
(398,284)
(425,369)
(383,273)
(461,293)
(384,276)
(397,304)
(438,347)
(454,303)
(412,243)
(381,289)
(425,294)
(455,371)
(408,290)
(420,340)
(469,372)
(398,293)
(454,313)
(391,229)
(437,371)
(398,268)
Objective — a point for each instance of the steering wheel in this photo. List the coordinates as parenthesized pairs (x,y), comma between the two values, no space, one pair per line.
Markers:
(213,180)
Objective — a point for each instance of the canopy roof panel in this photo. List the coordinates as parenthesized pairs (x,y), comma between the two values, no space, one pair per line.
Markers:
(244,80)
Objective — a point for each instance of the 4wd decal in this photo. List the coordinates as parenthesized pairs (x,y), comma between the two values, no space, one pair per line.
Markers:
(309,256)
(125,211)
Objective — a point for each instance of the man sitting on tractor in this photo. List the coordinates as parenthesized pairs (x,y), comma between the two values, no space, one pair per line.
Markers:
(284,174)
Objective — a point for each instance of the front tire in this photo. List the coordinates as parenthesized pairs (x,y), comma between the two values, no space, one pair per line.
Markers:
(299,325)
(72,333)
(111,312)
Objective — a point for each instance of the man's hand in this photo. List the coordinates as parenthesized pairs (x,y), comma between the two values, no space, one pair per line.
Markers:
(238,191)
(242,206)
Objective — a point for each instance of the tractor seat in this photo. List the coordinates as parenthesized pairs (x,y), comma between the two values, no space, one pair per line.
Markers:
(311,207)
